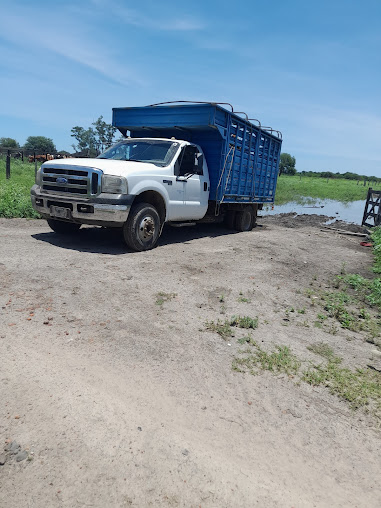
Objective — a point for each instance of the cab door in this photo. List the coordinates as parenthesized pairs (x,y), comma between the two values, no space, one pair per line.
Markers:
(193,169)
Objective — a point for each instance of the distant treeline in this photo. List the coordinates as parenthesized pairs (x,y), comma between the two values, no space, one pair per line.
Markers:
(345,176)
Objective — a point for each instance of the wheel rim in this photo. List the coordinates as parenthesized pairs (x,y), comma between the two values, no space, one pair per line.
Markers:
(146,229)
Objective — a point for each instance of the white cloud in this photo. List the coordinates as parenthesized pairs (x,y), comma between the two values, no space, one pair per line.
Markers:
(63,36)
(162,21)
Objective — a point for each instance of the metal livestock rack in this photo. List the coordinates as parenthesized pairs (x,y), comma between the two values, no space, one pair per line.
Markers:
(243,157)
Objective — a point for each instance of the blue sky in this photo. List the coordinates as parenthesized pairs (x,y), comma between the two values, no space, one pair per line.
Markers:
(311,69)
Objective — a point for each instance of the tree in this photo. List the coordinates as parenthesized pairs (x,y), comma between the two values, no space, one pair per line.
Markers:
(39,144)
(327,174)
(9,143)
(287,164)
(105,133)
(86,141)
(93,141)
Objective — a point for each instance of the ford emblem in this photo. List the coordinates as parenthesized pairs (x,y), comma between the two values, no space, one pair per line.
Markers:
(61,179)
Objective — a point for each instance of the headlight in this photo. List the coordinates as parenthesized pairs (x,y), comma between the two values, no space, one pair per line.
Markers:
(39,177)
(114,184)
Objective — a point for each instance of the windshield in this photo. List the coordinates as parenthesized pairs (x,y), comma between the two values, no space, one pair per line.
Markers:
(156,152)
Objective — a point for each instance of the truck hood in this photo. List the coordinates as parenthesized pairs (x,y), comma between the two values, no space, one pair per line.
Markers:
(108,166)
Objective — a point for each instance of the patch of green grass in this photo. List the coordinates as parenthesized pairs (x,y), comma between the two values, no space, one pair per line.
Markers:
(279,361)
(244,322)
(322,349)
(15,192)
(247,340)
(309,189)
(348,312)
(360,388)
(368,290)
(223,328)
(376,238)
(335,304)
(164,297)
(242,299)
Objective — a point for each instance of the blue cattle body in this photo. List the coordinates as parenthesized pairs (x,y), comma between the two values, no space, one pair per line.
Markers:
(243,158)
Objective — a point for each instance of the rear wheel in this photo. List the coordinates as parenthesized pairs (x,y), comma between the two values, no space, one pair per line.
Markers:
(141,231)
(244,220)
(230,219)
(63,228)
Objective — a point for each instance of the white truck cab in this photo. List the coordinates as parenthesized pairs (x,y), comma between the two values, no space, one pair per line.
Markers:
(137,184)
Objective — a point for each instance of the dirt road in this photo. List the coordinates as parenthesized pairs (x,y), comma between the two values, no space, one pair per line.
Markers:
(118,396)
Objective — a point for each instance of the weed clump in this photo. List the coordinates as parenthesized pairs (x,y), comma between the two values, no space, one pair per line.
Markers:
(359,388)
(244,322)
(221,327)
(279,361)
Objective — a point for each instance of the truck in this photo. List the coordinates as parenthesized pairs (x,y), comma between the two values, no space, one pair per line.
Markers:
(180,163)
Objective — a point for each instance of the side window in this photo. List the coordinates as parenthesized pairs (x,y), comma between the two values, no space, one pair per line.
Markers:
(188,160)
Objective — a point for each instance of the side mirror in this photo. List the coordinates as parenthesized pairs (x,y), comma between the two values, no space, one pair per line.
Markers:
(199,164)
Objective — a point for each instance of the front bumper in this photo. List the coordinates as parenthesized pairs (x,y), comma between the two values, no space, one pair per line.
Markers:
(104,209)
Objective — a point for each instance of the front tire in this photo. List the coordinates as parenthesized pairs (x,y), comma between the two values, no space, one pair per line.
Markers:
(141,231)
(63,228)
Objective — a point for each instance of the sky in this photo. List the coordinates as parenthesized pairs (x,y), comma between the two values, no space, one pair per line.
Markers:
(311,69)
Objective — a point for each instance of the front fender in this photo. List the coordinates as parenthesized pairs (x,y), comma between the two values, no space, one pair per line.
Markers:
(153,186)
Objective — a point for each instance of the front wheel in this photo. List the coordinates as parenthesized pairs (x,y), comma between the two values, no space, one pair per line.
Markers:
(63,228)
(141,231)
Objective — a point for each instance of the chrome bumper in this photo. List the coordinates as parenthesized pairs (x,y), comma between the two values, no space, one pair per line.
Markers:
(110,209)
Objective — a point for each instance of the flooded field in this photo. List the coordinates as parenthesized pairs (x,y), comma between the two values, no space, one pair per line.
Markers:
(348,212)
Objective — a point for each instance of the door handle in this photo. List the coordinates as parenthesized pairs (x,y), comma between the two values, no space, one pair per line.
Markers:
(205,186)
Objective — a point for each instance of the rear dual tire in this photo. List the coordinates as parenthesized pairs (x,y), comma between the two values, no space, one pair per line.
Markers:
(242,220)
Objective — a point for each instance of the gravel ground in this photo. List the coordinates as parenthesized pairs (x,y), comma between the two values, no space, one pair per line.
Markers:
(114,394)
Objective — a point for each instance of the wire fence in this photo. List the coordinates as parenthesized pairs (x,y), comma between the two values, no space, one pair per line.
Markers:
(31,156)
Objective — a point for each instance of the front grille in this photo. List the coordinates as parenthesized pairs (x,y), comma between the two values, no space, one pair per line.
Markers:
(84,182)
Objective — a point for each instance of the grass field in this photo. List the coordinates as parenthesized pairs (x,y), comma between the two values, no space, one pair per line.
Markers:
(15,192)
(301,189)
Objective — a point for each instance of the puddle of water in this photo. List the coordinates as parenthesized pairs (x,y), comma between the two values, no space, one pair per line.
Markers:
(348,212)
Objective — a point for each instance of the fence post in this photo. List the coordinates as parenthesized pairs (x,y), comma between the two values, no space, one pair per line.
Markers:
(8,166)
(35,164)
